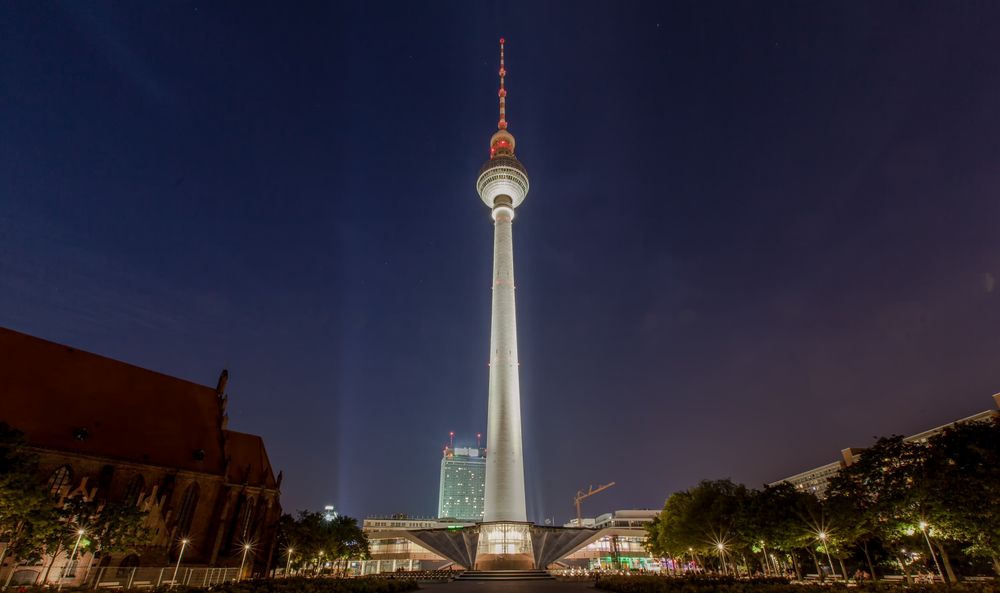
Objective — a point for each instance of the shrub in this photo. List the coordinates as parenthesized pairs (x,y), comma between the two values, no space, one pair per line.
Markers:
(291,585)
(659,584)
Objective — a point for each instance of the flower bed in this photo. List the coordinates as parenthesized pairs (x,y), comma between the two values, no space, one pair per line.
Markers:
(291,585)
(658,584)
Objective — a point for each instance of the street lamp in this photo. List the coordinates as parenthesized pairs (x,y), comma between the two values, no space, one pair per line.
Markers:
(184,544)
(246,549)
(288,566)
(722,554)
(822,536)
(79,536)
(923,528)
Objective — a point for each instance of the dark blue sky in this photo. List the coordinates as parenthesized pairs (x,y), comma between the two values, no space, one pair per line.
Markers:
(757,233)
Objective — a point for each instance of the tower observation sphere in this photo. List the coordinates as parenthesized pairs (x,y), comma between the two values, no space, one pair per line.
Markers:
(503,185)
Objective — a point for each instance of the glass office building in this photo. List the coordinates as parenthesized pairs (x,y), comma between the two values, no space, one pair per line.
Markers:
(463,483)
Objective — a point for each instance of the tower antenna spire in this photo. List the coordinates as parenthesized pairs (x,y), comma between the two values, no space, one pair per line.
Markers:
(503,93)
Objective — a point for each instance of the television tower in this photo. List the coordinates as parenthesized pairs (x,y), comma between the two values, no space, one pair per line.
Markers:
(503,184)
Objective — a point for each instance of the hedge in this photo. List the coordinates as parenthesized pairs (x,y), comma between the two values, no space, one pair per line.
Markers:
(290,585)
(657,584)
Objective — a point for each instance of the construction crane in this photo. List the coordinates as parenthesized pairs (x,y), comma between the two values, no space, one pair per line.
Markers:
(580,496)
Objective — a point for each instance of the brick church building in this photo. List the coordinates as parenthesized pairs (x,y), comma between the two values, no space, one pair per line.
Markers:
(111,431)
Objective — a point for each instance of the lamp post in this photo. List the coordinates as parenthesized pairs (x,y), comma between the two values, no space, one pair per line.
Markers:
(246,549)
(923,528)
(79,536)
(722,554)
(288,566)
(184,544)
(822,536)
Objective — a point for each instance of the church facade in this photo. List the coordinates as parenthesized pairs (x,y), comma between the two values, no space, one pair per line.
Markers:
(109,431)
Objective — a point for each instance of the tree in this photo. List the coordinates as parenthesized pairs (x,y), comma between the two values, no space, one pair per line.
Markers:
(850,531)
(780,517)
(29,520)
(314,538)
(958,487)
(350,541)
(284,546)
(672,533)
(877,490)
(699,521)
(109,527)
(815,533)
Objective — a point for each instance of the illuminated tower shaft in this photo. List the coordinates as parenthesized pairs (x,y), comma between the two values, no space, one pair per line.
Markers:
(505,464)
(503,184)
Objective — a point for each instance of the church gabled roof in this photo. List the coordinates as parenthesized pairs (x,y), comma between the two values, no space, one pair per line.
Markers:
(70,400)
(248,462)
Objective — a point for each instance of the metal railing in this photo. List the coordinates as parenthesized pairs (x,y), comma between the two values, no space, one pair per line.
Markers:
(142,577)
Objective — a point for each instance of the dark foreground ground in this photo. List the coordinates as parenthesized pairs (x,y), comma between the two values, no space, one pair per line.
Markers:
(460,586)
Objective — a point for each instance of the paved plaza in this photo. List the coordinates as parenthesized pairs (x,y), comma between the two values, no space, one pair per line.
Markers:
(460,586)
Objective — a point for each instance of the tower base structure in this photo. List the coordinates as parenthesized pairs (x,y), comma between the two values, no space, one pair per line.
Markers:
(503,545)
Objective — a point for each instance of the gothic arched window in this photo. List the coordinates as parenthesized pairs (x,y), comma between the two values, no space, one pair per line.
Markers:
(185,513)
(128,565)
(247,516)
(134,489)
(59,478)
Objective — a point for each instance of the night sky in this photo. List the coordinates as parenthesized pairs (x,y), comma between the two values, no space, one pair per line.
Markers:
(757,232)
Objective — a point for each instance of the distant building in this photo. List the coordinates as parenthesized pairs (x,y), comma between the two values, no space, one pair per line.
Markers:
(621,544)
(817,480)
(109,431)
(391,552)
(463,484)
(814,480)
(403,521)
(632,518)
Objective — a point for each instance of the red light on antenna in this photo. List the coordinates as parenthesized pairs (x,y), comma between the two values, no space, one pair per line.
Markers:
(501,40)
(451,434)
(478,436)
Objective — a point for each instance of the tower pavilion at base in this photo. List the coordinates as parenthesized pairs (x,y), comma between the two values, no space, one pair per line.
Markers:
(612,541)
